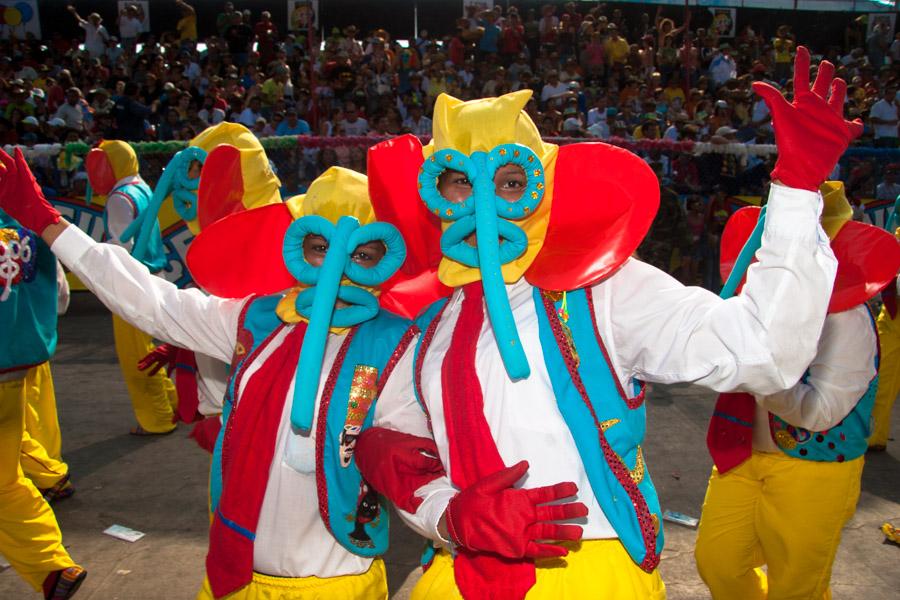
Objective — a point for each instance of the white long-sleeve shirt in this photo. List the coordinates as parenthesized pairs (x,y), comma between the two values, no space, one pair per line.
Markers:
(655,330)
(62,290)
(212,382)
(839,375)
(291,540)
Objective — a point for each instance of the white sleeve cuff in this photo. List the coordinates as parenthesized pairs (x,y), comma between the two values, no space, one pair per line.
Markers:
(794,213)
(71,245)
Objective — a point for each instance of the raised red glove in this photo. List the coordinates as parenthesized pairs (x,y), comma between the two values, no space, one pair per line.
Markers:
(397,464)
(161,356)
(492,516)
(21,196)
(810,132)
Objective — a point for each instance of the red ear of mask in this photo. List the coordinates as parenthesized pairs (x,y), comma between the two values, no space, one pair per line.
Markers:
(393,170)
(408,296)
(734,236)
(604,201)
(241,254)
(221,189)
(868,258)
(100,172)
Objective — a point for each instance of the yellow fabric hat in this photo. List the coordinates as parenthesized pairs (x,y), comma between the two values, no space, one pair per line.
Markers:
(836,210)
(336,193)
(258,184)
(121,158)
(479,126)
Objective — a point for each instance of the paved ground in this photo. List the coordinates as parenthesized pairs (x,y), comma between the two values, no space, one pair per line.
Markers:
(158,486)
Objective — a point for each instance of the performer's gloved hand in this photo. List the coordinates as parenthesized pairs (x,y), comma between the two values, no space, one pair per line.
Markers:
(161,356)
(810,132)
(492,516)
(21,196)
(397,464)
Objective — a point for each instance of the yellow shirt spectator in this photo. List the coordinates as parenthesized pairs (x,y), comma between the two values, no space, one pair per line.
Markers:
(616,50)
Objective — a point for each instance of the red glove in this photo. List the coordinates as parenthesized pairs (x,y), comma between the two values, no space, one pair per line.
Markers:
(161,356)
(206,431)
(492,516)
(185,363)
(810,132)
(397,464)
(21,196)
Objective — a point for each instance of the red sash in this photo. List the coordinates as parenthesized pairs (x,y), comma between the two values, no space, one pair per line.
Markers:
(474,455)
(730,434)
(247,452)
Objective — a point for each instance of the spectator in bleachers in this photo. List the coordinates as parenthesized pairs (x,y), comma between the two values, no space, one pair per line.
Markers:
(292,124)
(889,189)
(72,111)
(884,118)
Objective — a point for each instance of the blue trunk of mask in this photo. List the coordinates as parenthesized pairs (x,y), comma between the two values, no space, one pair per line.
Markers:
(174,181)
(499,311)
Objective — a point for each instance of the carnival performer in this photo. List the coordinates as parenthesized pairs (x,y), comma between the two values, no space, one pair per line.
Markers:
(30,538)
(224,170)
(788,465)
(888,325)
(292,516)
(112,170)
(531,372)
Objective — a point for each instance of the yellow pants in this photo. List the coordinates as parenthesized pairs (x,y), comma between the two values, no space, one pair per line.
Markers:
(153,398)
(778,511)
(29,535)
(371,585)
(888,377)
(41,442)
(592,569)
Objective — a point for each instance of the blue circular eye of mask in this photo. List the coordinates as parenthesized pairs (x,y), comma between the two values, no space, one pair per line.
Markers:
(395,253)
(525,158)
(292,250)
(431,171)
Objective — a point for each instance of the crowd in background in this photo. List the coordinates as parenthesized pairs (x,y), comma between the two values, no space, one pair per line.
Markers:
(594,74)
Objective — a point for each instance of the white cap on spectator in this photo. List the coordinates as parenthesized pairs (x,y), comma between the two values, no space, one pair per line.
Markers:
(725,130)
(29,120)
(56,122)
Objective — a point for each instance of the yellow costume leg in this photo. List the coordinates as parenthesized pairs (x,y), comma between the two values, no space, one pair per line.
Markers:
(41,443)
(371,585)
(29,535)
(728,552)
(37,465)
(153,398)
(780,511)
(888,377)
(803,508)
(592,569)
